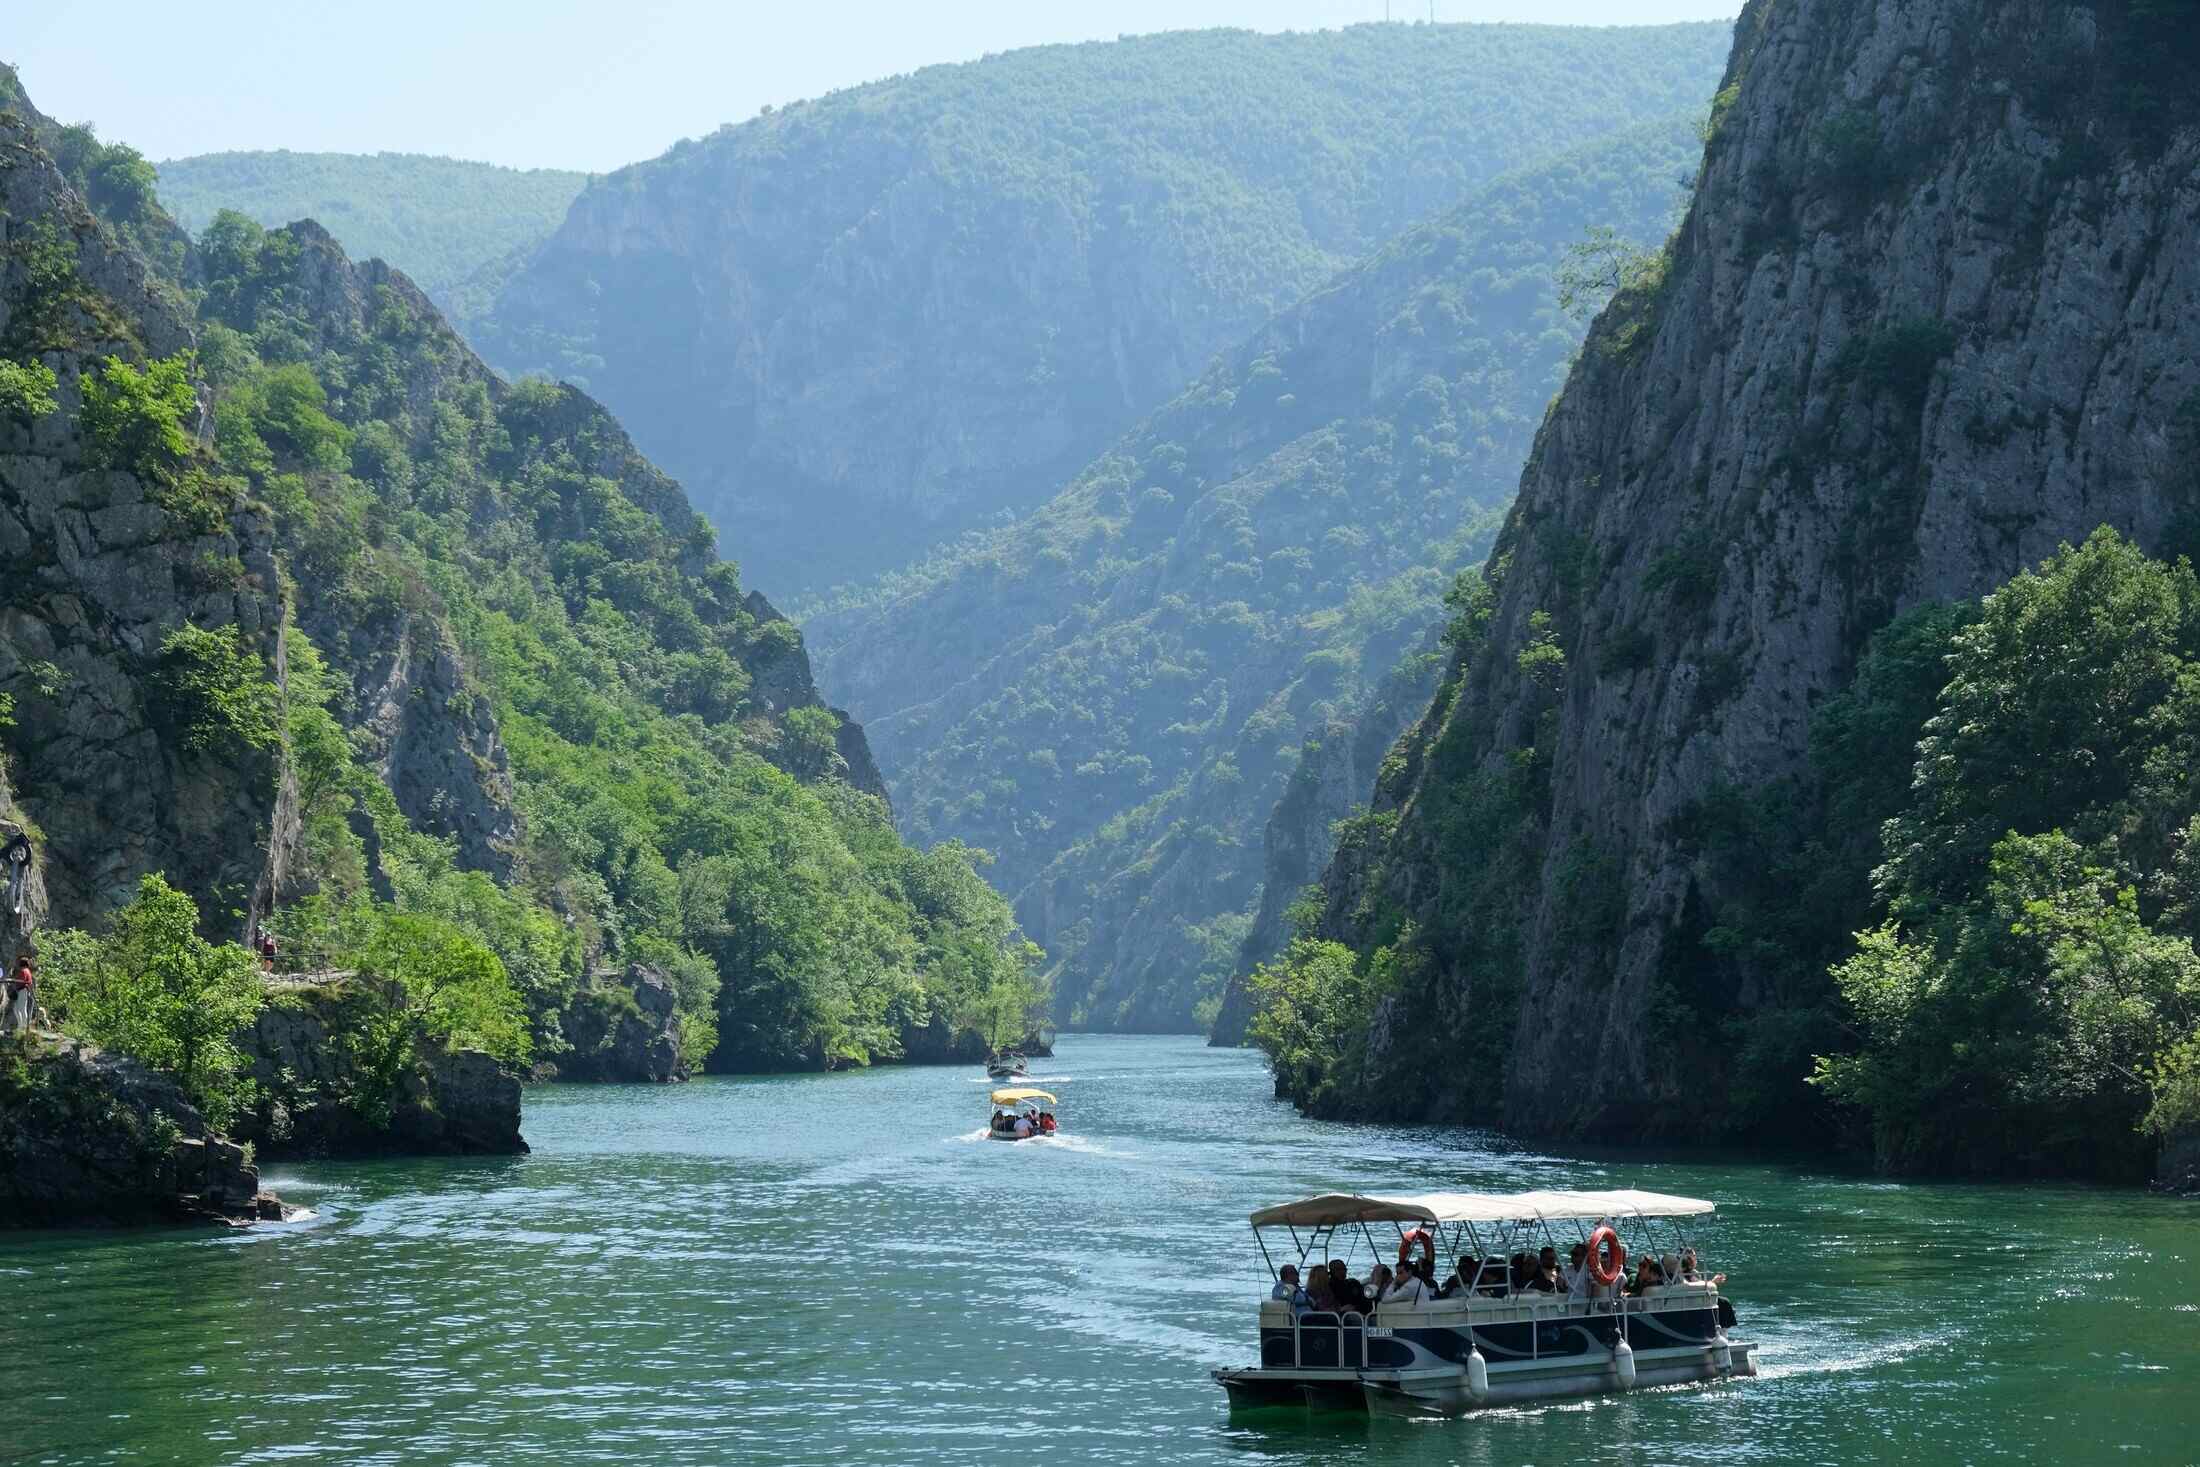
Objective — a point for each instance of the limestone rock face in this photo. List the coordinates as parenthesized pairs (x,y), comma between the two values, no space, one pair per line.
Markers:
(90,1137)
(1931,314)
(99,568)
(625,1031)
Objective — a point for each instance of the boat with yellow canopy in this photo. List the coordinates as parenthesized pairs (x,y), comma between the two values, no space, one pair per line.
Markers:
(1021,1115)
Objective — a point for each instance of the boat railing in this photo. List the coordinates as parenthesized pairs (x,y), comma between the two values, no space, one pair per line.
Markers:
(1321,1340)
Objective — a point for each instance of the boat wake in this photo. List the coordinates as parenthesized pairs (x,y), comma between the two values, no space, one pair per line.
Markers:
(1891,1352)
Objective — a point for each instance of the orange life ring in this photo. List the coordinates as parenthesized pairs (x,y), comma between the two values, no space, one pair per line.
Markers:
(1607,1257)
(1405,1247)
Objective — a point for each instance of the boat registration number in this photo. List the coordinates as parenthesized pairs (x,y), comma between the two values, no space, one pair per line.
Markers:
(1378,1332)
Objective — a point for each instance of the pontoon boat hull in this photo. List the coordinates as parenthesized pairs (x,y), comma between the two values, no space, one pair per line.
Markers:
(1443,1390)
(1532,1347)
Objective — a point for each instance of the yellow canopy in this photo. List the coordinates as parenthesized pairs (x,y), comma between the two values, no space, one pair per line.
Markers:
(1017,1097)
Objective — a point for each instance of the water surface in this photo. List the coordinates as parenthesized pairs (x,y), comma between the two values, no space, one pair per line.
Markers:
(840,1269)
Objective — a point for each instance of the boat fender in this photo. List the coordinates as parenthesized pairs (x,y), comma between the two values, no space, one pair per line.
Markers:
(1405,1246)
(1722,1353)
(1478,1374)
(1623,1361)
(1607,1257)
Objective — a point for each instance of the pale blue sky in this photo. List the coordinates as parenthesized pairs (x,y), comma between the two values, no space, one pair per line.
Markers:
(574,83)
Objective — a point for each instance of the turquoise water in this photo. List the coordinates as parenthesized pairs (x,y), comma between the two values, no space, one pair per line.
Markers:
(837,1269)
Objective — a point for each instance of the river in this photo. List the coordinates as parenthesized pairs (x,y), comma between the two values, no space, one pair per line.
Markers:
(839,1269)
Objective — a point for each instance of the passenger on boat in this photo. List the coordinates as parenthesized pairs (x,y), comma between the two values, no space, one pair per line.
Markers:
(1545,1280)
(1410,1288)
(1378,1287)
(1318,1292)
(1288,1291)
(1690,1272)
(1649,1274)
(1461,1280)
(1576,1273)
(1352,1294)
(1024,1128)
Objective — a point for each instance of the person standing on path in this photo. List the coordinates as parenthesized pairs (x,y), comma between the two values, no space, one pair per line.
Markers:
(21,997)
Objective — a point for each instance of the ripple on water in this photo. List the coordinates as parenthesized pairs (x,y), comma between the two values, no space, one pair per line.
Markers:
(818,1269)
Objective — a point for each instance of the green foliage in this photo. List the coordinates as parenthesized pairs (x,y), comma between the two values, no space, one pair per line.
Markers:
(134,418)
(211,693)
(1600,266)
(2035,975)
(155,989)
(27,389)
(666,817)
(1310,1019)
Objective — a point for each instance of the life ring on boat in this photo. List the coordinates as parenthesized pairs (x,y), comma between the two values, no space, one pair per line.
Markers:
(1405,1247)
(1607,1257)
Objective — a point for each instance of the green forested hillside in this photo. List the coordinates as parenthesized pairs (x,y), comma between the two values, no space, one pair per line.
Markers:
(1111,695)
(434,675)
(862,323)
(452,226)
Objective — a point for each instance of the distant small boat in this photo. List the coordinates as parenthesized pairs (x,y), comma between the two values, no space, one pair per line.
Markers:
(1021,1115)
(1008,1066)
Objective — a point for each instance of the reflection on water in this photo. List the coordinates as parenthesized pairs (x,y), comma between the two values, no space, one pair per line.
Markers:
(841,1269)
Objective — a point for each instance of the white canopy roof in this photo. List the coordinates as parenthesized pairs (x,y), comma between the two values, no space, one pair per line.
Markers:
(1338,1208)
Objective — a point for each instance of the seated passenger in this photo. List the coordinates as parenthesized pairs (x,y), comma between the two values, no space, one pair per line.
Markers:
(1409,1289)
(1340,1282)
(1287,1289)
(1317,1291)
(1023,1128)
(1462,1278)
(1523,1269)
(1692,1274)
(1378,1285)
(1576,1273)
(1648,1275)
(1352,1294)
(1545,1280)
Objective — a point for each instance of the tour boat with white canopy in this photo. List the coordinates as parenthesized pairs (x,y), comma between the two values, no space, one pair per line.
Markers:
(1497,1337)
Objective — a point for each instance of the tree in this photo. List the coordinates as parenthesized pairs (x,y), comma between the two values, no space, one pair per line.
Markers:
(134,418)
(155,989)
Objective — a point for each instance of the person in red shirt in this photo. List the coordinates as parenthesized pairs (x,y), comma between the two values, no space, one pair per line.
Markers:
(21,995)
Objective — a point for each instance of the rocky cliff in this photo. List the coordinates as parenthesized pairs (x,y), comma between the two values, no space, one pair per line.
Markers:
(1111,695)
(1930,315)
(859,324)
(104,560)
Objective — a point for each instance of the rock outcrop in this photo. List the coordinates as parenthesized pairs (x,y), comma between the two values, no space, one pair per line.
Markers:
(93,1138)
(625,1029)
(324,1091)
(1930,315)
